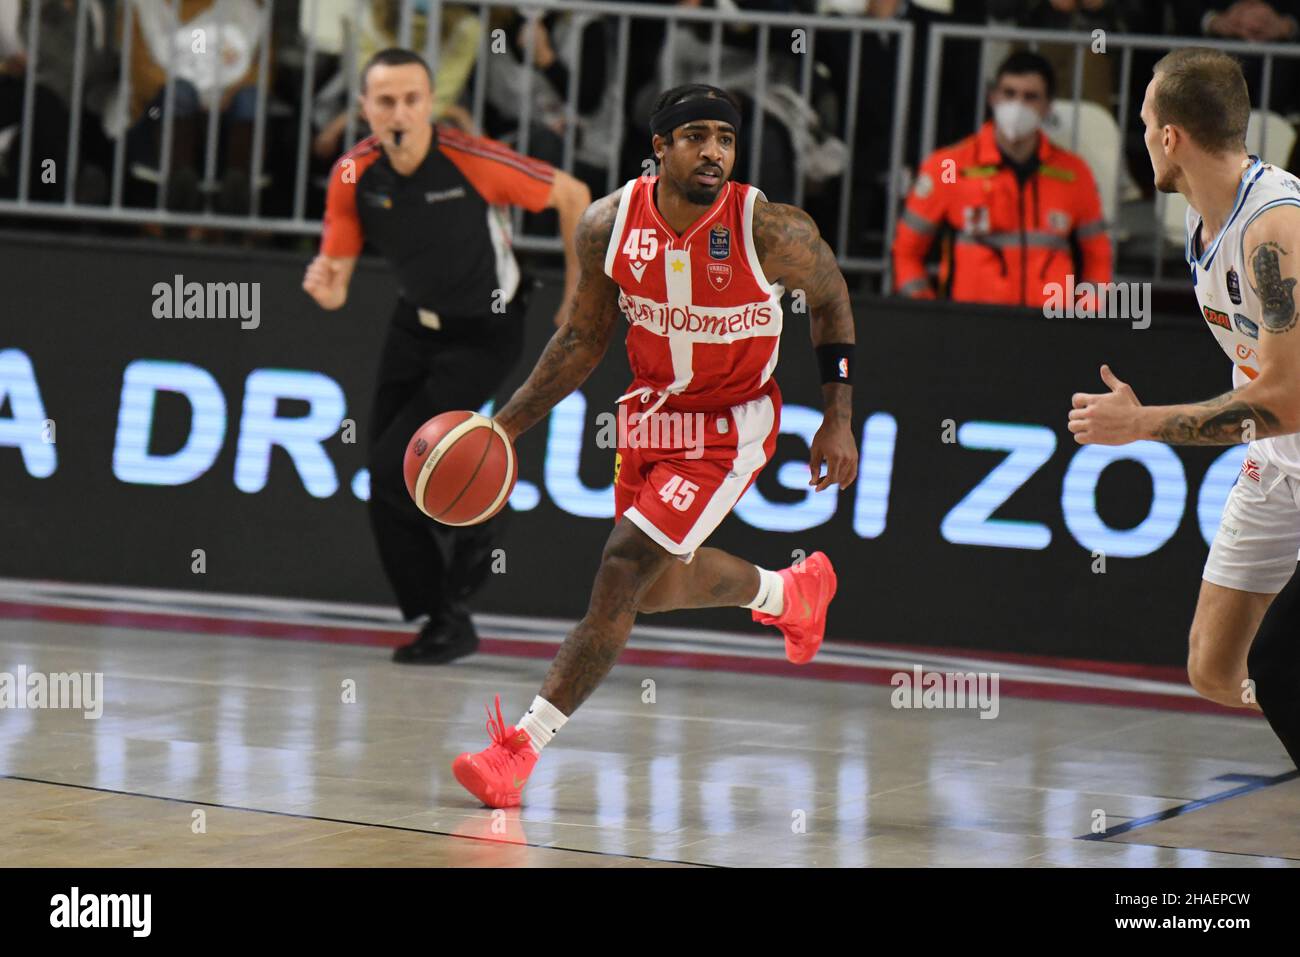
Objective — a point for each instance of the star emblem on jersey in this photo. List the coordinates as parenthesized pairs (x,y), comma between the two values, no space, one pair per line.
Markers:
(719,275)
(638,269)
(678,265)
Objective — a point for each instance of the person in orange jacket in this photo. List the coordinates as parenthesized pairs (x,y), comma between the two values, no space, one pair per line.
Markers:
(1019,206)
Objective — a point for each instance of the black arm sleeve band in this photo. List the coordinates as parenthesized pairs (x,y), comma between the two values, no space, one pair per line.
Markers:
(835,360)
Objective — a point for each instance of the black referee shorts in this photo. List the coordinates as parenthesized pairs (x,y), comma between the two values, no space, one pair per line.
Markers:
(422,373)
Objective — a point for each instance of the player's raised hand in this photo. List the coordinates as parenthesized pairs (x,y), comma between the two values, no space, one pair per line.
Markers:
(326,282)
(1106,419)
(833,447)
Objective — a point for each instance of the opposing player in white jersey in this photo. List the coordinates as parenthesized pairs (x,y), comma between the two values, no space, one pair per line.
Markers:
(697,264)
(1243,251)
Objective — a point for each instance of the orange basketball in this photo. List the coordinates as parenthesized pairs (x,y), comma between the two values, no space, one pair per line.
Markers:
(460,468)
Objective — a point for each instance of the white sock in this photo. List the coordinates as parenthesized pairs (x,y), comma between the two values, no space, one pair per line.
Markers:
(542,722)
(770,599)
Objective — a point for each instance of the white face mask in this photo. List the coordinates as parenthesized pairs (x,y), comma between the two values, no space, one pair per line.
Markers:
(1015,120)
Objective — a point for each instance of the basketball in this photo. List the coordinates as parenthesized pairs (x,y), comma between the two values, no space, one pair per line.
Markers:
(460,468)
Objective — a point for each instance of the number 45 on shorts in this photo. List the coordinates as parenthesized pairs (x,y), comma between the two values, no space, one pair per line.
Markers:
(678,493)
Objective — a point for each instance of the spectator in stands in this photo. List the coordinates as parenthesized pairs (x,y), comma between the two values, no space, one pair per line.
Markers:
(563,44)
(1254,21)
(875,81)
(56,46)
(214,46)
(1015,202)
(1080,16)
(790,127)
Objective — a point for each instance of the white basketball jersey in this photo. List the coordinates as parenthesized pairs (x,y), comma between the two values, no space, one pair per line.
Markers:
(1228,303)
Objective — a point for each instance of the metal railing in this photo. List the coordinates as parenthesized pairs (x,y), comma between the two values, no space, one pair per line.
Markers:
(1082,44)
(620,17)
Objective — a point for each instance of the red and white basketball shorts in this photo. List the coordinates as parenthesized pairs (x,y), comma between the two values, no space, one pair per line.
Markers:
(678,477)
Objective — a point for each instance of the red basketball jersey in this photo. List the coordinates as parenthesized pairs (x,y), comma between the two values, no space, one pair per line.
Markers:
(703,321)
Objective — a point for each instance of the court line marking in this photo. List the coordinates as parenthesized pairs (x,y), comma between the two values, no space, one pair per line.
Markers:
(491,683)
(361,824)
(1254,782)
(1156,694)
(552,630)
(1165,847)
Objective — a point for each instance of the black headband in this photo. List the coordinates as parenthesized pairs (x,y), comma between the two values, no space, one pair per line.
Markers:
(700,108)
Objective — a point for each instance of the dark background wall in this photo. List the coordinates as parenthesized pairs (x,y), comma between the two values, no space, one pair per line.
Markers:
(918,562)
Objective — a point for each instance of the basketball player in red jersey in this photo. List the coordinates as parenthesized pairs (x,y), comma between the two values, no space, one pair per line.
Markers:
(697,263)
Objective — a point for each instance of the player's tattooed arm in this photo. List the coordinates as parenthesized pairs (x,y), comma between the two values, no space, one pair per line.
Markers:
(1225,420)
(1118,418)
(1276,291)
(792,252)
(577,346)
(1266,406)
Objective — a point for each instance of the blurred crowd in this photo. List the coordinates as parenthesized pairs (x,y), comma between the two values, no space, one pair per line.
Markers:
(215,49)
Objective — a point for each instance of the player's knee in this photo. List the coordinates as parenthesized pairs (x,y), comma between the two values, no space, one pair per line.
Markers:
(1211,680)
(632,563)
(622,577)
(658,598)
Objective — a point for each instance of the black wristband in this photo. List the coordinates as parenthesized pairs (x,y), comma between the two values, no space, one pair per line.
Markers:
(835,360)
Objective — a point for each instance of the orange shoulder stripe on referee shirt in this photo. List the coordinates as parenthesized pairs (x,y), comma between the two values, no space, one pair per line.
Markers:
(499,174)
(341,234)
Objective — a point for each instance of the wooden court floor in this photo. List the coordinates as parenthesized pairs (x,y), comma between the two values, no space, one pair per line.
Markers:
(222,751)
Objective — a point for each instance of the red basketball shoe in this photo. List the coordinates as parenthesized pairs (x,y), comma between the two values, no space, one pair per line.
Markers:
(497,774)
(809,589)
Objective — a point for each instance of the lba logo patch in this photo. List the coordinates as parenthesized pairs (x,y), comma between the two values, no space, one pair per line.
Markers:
(719,275)
(720,244)
(1234,287)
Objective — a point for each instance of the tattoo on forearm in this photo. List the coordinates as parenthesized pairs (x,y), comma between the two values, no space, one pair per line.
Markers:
(837,399)
(792,252)
(1276,292)
(1226,420)
(578,345)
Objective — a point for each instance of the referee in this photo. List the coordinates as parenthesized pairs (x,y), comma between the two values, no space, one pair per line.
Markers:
(429,199)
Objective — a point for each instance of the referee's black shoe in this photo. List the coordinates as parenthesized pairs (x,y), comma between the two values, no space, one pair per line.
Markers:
(444,637)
